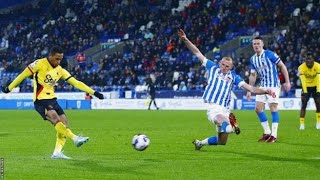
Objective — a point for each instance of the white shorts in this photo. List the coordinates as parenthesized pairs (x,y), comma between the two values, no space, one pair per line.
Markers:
(265,98)
(213,110)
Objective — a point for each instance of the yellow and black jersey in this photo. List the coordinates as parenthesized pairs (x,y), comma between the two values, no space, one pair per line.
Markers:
(45,78)
(310,77)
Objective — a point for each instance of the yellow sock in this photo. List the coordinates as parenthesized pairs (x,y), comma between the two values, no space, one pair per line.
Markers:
(318,117)
(70,133)
(61,140)
(301,120)
(61,128)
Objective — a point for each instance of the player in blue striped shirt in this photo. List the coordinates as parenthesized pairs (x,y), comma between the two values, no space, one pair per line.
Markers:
(221,79)
(265,64)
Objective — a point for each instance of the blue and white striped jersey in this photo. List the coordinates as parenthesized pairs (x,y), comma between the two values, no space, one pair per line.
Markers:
(266,67)
(220,85)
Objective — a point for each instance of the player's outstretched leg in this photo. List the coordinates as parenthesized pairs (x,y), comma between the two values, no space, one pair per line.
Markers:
(198,144)
(80,140)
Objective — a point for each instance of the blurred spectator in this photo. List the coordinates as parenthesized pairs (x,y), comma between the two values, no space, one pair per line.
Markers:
(81,59)
(88,96)
(294,26)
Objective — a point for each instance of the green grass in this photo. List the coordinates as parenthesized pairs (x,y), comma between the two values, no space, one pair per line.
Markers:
(27,142)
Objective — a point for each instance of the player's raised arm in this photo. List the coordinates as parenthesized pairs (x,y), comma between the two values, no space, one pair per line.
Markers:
(191,46)
(22,76)
(80,85)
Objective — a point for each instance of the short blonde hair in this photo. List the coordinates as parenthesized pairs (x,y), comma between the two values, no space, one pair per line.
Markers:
(227,58)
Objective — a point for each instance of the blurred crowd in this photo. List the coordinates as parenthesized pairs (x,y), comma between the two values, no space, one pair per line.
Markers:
(149,31)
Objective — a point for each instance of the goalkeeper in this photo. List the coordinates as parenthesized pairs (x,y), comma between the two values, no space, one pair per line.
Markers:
(46,73)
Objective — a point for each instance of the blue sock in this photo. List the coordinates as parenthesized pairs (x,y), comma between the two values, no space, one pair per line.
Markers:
(224,126)
(275,117)
(262,116)
(213,140)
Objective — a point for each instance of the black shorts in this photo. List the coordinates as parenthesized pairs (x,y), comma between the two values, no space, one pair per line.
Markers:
(312,92)
(44,105)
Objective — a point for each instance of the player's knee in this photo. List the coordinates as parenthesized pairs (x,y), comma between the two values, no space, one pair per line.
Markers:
(54,119)
(273,107)
(219,119)
(258,109)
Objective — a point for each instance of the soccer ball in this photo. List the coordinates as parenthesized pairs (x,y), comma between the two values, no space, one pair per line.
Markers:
(140,142)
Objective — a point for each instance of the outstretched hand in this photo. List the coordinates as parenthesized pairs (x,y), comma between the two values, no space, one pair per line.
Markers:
(271,93)
(182,35)
(98,95)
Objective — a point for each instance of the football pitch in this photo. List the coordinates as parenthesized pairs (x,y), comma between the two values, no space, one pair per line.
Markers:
(27,142)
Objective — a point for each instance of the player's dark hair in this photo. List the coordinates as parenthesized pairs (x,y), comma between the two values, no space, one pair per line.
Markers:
(56,49)
(308,54)
(258,38)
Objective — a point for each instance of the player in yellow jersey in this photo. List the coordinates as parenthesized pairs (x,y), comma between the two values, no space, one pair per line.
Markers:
(309,73)
(46,73)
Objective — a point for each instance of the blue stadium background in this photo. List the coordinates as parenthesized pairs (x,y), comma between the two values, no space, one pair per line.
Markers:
(116,45)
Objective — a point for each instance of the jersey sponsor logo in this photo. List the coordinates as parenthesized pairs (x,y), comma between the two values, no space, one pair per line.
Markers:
(49,80)
(310,76)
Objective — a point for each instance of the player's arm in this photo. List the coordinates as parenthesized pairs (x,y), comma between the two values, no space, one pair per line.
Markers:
(80,85)
(285,73)
(252,81)
(256,90)
(22,76)
(303,80)
(252,78)
(192,47)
